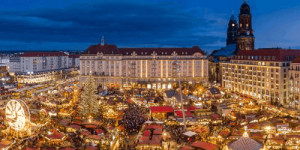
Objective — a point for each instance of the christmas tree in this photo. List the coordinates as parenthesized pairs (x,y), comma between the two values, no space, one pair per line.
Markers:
(89,105)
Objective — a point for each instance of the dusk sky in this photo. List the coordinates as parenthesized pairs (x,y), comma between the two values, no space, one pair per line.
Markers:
(76,24)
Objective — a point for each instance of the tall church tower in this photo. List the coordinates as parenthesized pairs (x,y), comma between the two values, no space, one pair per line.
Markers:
(232,31)
(245,37)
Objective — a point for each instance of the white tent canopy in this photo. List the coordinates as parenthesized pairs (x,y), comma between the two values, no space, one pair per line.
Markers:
(189,133)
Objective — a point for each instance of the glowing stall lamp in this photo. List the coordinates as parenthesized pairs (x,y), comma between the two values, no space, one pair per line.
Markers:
(198,105)
(164,134)
(148,86)
(154,86)
(169,86)
(268,128)
(90,119)
(52,114)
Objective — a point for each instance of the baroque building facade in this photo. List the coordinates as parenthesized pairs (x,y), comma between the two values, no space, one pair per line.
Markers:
(157,68)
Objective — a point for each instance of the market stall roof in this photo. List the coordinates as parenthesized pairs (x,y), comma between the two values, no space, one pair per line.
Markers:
(289,136)
(143,140)
(156,140)
(94,137)
(79,122)
(224,133)
(85,133)
(245,143)
(258,135)
(187,114)
(29,148)
(55,135)
(161,109)
(154,126)
(236,133)
(159,122)
(192,108)
(4,144)
(92,122)
(157,132)
(74,126)
(189,133)
(90,126)
(64,122)
(215,116)
(148,122)
(92,148)
(204,145)
(99,131)
(146,133)
(186,148)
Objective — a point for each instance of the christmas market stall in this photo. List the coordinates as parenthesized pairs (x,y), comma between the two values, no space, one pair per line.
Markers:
(199,145)
(161,112)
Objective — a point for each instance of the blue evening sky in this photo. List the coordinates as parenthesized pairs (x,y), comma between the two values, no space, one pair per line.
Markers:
(76,24)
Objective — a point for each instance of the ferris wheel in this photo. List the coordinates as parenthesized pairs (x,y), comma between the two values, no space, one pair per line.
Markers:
(17,114)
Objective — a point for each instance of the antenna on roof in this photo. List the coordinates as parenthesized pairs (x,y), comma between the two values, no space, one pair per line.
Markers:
(102,40)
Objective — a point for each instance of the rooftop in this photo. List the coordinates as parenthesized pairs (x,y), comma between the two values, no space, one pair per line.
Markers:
(42,54)
(113,49)
(297,60)
(268,54)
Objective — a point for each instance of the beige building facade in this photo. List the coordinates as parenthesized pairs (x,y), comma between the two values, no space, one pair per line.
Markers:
(294,83)
(157,68)
(262,74)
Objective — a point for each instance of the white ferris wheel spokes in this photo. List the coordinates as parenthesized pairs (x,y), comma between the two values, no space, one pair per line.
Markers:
(17,114)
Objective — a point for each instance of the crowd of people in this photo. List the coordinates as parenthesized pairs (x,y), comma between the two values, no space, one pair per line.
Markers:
(133,118)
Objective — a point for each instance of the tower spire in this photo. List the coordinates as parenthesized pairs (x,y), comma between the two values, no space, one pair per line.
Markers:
(232,31)
(245,37)
(102,41)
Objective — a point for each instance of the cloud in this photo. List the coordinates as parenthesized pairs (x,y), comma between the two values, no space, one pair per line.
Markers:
(127,23)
